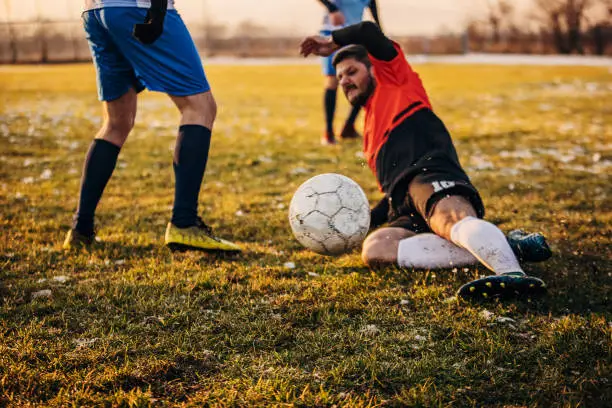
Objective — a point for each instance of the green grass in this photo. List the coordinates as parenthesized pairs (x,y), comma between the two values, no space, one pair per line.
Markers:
(132,324)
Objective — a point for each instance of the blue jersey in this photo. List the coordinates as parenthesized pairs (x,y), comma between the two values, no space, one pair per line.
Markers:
(352,10)
(98,4)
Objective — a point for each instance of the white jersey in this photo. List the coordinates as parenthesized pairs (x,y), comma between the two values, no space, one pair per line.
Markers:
(353,11)
(97,4)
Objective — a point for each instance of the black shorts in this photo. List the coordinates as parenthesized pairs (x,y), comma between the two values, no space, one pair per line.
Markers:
(413,202)
(420,143)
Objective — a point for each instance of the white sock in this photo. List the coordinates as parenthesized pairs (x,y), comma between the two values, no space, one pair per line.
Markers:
(487,243)
(430,251)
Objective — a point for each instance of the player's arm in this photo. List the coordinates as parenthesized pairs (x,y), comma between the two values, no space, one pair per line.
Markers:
(379,215)
(374,11)
(153,26)
(370,36)
(366,33)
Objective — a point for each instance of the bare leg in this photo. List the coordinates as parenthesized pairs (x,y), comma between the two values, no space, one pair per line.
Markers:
(100,162)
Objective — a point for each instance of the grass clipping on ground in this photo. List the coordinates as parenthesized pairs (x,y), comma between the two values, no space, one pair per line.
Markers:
(133,324)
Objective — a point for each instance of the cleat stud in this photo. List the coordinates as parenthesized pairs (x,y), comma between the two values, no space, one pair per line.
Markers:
(503,285)
(531,285)
(472,289)
(485,294)
(488,285)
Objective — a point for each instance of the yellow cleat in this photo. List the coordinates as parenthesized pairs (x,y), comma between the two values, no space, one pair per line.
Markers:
(198,237)
(76,240)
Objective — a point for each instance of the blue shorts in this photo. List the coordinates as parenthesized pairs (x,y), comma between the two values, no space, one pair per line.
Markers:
(326,62)
(171,64)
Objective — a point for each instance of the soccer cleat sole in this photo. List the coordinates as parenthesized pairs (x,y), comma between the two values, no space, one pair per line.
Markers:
(176,247)
(503,287)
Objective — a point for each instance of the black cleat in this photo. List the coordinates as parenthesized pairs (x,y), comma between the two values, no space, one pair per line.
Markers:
(349,133)
(529,247)
(510,285)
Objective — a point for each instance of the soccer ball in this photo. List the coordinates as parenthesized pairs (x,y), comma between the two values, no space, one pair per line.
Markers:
(329,214)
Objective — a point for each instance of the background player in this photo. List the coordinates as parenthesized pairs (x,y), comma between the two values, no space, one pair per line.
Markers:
(340,13)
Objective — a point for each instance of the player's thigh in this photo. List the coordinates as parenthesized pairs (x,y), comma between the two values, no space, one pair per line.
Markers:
(380,247)
(114,72)
(171,64)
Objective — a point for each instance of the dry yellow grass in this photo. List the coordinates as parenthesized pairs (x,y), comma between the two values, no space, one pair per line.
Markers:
(131,324)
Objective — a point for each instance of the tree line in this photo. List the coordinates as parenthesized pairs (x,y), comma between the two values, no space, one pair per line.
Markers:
(559,26)
(549,26)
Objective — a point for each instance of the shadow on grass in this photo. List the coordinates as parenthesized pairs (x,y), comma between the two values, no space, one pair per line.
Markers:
(577,284)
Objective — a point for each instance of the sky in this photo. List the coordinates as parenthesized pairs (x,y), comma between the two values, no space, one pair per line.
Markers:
(298,16)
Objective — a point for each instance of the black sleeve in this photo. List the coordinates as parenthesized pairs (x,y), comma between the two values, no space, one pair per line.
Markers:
(160,5)
(374,11)
(331,7)
(379,214)
(370,36)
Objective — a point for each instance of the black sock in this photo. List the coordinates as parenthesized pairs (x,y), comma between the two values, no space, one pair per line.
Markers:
(330,108)
(350,121)
(97,170)
(190,157)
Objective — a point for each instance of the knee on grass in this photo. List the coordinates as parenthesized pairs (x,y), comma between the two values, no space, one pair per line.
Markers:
(379,250)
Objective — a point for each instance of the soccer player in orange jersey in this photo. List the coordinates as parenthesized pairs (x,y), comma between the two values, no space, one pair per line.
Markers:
(433,212)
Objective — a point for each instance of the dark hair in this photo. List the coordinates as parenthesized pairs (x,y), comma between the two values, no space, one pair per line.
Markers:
(355,51)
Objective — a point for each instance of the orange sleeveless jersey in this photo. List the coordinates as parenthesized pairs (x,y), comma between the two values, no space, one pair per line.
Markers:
(399,93)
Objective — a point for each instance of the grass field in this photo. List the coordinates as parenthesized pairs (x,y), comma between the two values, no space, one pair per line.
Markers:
(132,324)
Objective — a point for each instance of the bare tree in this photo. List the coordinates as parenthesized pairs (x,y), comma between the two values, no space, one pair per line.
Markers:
(601,30)
(499,16)
(42,33)
(565,18)
(11,34)
(574,17)
(548,13)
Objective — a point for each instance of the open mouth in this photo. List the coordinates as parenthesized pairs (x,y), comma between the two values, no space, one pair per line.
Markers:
(351,91)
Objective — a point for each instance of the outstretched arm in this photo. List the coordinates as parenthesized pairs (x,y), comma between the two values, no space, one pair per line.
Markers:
(366,34)
(374,11)
(370,36)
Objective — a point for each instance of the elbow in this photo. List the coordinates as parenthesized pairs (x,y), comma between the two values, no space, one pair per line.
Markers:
(369,29)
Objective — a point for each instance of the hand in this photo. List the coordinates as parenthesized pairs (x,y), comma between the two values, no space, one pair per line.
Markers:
(152,28)
(336,18)
(317,45)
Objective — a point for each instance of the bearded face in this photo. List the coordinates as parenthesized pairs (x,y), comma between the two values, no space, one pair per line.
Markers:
(356,80)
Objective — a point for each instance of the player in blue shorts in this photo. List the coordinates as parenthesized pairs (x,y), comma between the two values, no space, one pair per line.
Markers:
(138,44)
(340,13)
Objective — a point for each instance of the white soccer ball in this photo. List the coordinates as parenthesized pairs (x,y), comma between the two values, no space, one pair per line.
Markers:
(329,214)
